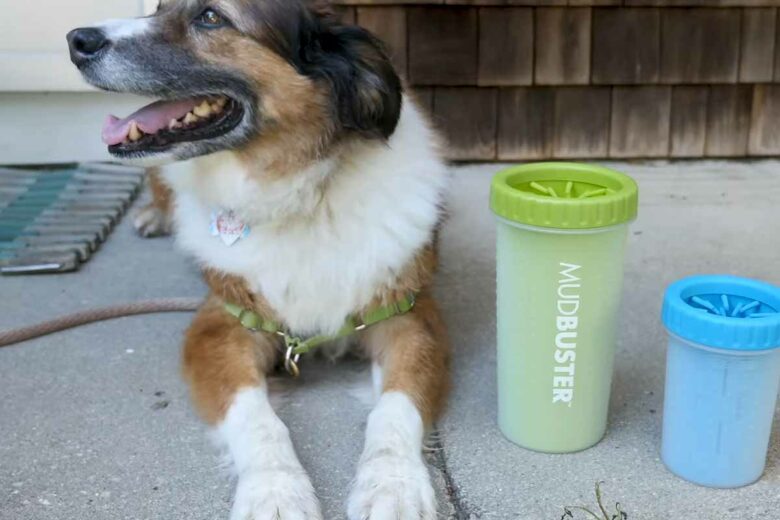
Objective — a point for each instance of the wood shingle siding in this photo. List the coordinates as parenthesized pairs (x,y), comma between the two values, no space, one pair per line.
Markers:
(728,120)
(562,46)
(777,48)
(700,45)
(757,50)
(536,79)
(764,136)
(581,122)
(526,119)
(640,121)
(467,117)
(688,121)
(506,46)
(626,46)
(443,46)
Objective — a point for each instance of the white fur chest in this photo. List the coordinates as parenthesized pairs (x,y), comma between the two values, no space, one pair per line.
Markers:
(363,222)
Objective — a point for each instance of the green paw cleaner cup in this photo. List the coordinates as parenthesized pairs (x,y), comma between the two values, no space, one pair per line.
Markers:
(561,236)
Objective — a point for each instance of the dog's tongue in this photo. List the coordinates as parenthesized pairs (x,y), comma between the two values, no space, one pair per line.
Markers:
(150,119)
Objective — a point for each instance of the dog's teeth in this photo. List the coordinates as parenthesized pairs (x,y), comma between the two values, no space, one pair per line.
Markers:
(221,102)
(190,118)
(174,124)
(135,133)
(216,108)
(203,110)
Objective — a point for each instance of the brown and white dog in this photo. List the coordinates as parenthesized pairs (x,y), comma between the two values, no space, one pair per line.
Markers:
(299,130)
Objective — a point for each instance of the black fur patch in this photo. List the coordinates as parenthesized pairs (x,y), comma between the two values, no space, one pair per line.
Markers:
(350,60)
(364,83)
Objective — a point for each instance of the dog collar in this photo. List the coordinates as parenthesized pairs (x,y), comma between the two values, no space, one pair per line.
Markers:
(297,346)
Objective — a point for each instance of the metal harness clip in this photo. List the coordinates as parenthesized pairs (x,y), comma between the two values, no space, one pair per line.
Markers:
(291,359)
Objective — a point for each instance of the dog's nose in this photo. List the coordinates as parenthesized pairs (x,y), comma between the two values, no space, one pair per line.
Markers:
(85,44)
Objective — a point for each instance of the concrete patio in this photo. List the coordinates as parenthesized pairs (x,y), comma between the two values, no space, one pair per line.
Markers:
(96,423)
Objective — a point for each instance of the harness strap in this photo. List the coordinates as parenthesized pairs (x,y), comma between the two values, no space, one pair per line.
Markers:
(298,346)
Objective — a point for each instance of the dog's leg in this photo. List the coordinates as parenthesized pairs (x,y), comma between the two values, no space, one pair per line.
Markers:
(392,479)
(156,218)
(226,366)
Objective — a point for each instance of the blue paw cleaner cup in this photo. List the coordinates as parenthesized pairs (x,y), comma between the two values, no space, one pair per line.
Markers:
(722,378)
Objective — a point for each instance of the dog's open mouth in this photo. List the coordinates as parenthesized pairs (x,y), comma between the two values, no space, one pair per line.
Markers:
(158,126)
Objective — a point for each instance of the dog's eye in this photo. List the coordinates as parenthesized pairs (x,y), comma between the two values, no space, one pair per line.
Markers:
(210,19)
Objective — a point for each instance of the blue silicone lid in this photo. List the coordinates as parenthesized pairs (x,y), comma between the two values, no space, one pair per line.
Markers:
(725,312)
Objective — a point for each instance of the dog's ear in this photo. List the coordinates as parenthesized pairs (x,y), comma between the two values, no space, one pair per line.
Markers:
(366,89)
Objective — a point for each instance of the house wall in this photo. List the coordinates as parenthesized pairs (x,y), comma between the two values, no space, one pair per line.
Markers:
(539,79)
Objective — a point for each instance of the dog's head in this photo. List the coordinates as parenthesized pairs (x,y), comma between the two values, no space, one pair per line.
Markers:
(232,73)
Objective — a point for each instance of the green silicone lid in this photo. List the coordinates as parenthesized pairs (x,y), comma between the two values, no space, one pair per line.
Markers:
(564,195)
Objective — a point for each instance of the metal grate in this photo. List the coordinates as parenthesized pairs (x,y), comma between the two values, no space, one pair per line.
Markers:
(54,218)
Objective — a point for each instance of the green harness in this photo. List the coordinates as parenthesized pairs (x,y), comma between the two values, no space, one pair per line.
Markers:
(297,346)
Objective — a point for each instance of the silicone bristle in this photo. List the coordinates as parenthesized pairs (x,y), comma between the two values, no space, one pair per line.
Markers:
(569,188)
(730,308)
(538,187)
(552,193)
(704,303)
(593,193)
(750,307)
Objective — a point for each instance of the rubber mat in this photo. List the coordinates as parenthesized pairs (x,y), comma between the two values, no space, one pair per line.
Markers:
(54,218)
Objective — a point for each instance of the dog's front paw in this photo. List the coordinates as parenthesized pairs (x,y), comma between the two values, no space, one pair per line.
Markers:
(282,494)
(392,487)
(152,222)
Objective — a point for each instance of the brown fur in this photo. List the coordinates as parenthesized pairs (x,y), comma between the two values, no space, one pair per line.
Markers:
(221,357)
(296,125)
(414,351)
(156,218)
(162,196)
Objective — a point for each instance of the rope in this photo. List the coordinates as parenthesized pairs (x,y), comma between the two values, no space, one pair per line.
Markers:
(17,335)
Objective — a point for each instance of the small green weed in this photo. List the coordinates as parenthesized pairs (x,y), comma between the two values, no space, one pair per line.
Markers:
(619,514)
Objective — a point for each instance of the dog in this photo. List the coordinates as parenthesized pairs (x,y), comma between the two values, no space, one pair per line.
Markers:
(312,204)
